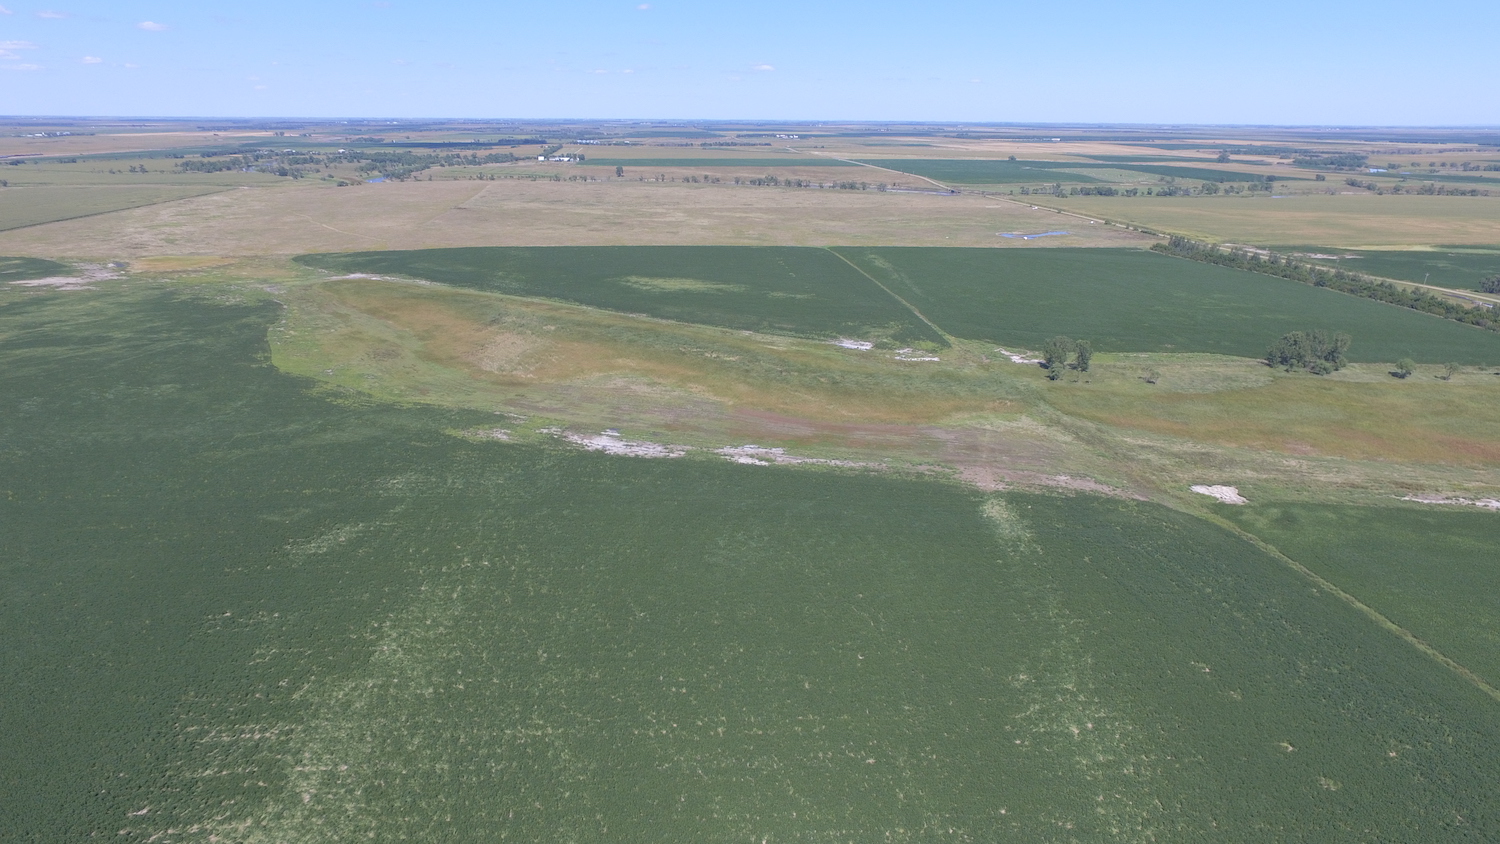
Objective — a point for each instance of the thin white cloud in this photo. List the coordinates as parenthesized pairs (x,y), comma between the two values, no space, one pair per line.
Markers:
(151,26)
(644,7)
(131,65)
(260,87)
(92,60)
(763,67)
(5,11)
(7,49)
(20,67)
(51,15)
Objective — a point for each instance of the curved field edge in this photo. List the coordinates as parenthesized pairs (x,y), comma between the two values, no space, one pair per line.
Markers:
(14,268)
(1122,300)
(801,291)
(378,628)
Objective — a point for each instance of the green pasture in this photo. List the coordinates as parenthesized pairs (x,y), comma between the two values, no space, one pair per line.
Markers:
(700,163)
(1433,569)
(30,206)
(985,171)
(1126,300)
(21,269)
(974,171)
(788,290)
(239,608)
(1460,267)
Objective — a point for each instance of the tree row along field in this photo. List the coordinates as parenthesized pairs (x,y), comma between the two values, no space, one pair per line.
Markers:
(1122,300)
(240,607)
(996,172)
(1459,267)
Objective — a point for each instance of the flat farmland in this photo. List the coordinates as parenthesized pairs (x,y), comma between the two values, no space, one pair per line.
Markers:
(1435,570)
(985,172)
(738,161)
(993,171)
(799,291)
(21,207)
(1456,267)
(1139,301)
(291,219)
(1348,222)
(377,628)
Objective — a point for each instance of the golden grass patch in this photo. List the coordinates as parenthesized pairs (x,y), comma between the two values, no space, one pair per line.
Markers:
(1341,221)
(289,219)
(1437,422)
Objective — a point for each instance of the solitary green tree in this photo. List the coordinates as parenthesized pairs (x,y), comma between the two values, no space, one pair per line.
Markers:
(1449,370)
(1083,352)
(619,171)
(1405,367)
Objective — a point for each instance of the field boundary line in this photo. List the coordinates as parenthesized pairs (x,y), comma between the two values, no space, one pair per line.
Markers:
(881,169)
(117,210)
(341,231)
(909,306)
(1369,611)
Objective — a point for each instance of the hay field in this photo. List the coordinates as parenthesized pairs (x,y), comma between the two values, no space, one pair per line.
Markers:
(292,219)
(1350,222)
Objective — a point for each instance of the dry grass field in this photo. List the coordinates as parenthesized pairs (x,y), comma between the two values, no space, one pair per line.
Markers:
(296,218)
(1351,221)
(117,142)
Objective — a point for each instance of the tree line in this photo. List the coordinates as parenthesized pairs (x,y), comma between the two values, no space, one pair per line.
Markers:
(1355,284)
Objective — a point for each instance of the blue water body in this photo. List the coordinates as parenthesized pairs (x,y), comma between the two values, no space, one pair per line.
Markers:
(1033,236)
(373,181)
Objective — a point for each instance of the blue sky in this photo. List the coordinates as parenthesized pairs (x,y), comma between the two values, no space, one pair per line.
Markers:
(1150,61)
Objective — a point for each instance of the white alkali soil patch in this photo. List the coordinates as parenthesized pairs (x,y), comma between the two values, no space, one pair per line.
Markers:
(1226,494)
(1486,503)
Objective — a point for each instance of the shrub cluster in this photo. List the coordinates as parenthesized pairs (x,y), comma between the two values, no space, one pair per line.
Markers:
(1055,354)
(1317,351)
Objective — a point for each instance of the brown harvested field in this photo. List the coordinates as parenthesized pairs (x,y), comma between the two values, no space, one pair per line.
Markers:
(1344,221)
(296,218)
(121,142)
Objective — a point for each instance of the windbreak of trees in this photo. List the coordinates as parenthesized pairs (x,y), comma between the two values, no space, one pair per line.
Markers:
(389,164)
(1333,161)
(1319,351)
(1355,284)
